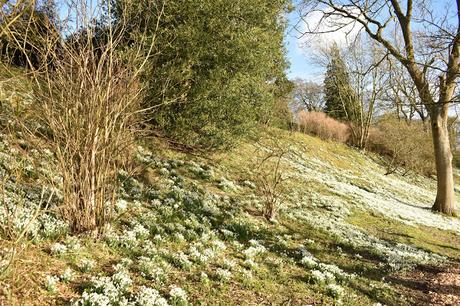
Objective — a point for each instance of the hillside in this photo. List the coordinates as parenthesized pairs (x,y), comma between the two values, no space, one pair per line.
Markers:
(190,230)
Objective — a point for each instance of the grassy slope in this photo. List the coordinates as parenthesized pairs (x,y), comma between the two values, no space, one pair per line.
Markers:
(326,181)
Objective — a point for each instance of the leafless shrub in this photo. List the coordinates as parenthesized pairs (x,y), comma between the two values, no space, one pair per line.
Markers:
(407,146)
(86,109)
(270,178)
(322,126)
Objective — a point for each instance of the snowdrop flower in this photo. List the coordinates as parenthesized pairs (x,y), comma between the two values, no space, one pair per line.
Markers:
(204,278)
(318,277)
(223,275)
(149,297)
(67,276)
(51,282)
(253,251)
(179,237)
(121,205)
(335,291)
(178,296)
(93,299)
(308,262)
(150,270)
(58,248)
(73,244)
(86,265)
(250,264)
(228,264)
(122,280)
(218,245)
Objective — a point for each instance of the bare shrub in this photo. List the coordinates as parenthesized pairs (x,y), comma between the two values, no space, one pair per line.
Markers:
(86,109)
(270,177)
(322,126)
(408,145)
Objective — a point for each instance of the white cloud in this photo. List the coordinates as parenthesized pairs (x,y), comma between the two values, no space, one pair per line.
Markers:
(328,32)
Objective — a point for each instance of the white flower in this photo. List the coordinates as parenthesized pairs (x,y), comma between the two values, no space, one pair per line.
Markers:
(335,291)
(94,299)
(67,276)
(223,275)
(250,264)
(149,297)
(253,251)
(218,245)
(308,262)
(86,265)
(228,264)
(73,244)
(178,296)
(51,282)
(179,237)
(204,278)
(121,205)
(150,270)
(318,277)
(122,280)
(58,248)
(181,260)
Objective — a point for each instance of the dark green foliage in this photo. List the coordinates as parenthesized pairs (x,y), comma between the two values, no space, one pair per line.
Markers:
(216,69)
(341,100)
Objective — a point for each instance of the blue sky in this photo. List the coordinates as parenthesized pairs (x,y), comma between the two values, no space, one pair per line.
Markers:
(301,66)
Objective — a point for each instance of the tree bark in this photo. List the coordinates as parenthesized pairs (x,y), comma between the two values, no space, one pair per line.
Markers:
(445,197)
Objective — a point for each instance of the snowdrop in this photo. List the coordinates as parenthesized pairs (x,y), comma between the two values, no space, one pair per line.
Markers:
(250,264)
(58,249)
(121,205)
(150,269)
(51,282)
(223,275)
(178,296)
(318,277)
(86,265)
(149,297)
(335,291)
(204,278)
(67,276)
(309,262)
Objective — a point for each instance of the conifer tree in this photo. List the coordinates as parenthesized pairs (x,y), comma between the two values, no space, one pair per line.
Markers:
(341,100)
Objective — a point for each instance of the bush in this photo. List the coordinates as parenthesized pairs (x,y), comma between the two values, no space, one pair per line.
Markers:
(206,84)
(322,126)
(407,145)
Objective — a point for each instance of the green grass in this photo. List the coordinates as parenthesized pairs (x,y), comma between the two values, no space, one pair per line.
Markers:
(445,243)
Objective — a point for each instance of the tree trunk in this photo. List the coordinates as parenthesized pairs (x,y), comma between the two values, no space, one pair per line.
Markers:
(445,197)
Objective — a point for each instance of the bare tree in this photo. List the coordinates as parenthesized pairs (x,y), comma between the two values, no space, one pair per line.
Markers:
(430,55)
(308,95)
(401,94)
(368,79)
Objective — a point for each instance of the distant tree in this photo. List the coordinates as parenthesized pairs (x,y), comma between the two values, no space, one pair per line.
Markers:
(369,80)
(308,95)
(340,98)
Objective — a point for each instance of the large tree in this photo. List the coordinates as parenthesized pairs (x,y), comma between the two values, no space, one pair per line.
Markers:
(429,51)
(217,67)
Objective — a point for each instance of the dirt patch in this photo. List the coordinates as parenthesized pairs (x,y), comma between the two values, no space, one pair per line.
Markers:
(429,285)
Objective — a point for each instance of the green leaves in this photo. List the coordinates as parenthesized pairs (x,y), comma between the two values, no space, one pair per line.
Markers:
(215,70)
